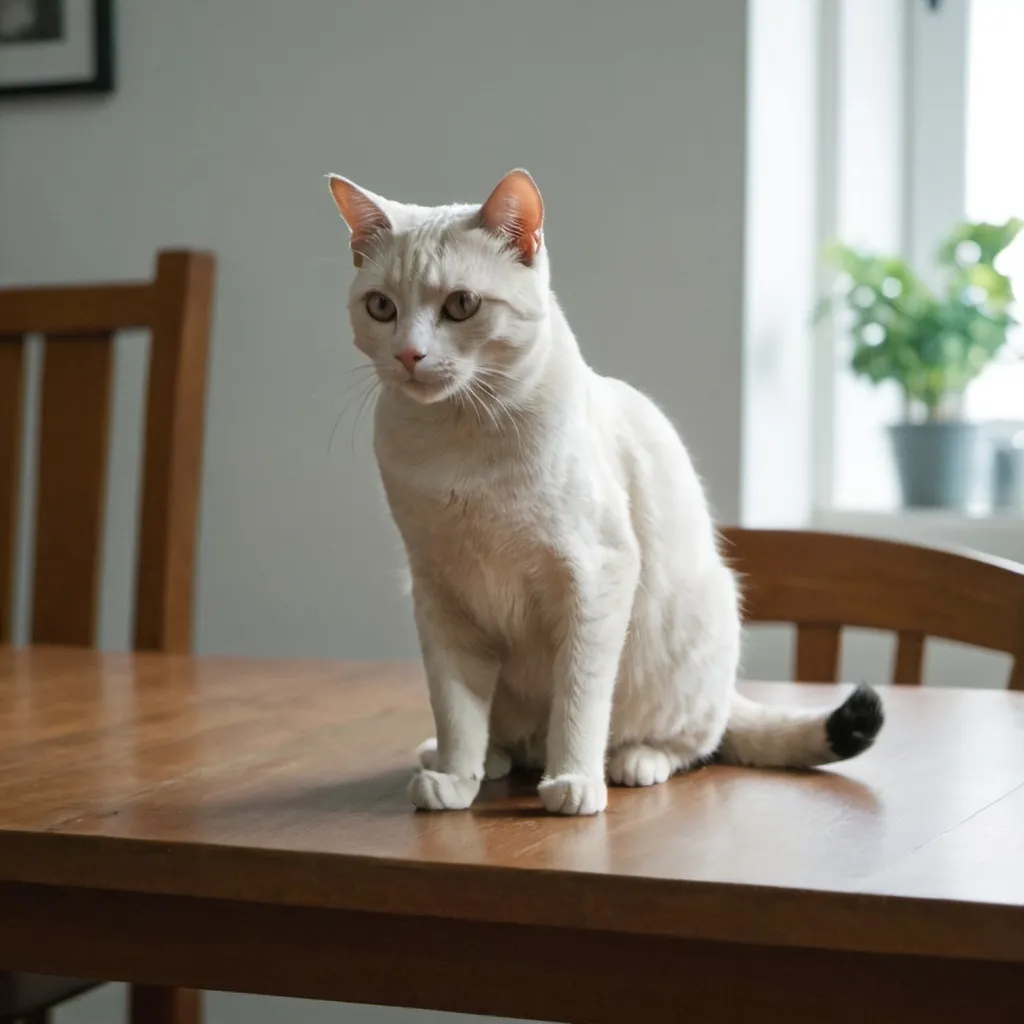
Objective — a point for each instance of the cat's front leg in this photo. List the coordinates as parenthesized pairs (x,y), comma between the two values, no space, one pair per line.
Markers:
(586,669)
(461,683)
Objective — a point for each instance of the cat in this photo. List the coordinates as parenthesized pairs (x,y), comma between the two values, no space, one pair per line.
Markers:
(573,608)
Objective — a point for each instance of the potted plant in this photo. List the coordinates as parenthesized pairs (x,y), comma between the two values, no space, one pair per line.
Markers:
(931,344)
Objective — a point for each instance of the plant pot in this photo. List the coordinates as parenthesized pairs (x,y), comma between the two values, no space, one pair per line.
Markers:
(1008,485)
(943,464)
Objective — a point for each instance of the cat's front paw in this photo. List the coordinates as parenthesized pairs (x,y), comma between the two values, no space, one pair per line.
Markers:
(574,794)
(438,791)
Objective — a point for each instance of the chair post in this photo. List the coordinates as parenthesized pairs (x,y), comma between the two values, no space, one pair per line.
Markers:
(175,414)
(11,409)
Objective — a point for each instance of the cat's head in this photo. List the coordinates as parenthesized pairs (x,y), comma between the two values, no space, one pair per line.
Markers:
(447,299)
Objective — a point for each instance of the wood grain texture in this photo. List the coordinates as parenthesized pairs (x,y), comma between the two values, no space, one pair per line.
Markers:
(821,579)
(530,972)
(818,650)
(11,412)
(71,492)
(76,309)
(284,784)
(172,470)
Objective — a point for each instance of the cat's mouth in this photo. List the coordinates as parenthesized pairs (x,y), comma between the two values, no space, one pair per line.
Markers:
(426,391)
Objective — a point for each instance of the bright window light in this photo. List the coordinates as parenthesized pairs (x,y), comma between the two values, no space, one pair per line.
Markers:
(995,173)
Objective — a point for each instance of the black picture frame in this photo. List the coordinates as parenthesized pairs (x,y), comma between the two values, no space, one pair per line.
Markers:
(102,79)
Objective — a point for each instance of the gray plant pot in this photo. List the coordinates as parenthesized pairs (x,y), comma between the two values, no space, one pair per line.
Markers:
(943,464)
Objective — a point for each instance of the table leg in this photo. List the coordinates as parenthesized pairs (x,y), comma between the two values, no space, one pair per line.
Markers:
(153,1004)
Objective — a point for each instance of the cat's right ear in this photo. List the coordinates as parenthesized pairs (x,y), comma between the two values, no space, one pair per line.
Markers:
(364,213)
(515,212)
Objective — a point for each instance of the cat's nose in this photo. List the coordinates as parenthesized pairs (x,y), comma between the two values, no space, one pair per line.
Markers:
(409,357)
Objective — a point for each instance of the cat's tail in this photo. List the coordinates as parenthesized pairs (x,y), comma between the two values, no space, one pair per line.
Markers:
(767,736)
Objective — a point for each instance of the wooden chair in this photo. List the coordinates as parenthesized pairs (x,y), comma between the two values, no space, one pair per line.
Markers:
(78,324)
(823,582)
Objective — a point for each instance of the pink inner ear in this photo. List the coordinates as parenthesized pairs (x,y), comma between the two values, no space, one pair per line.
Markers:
(361,212)
(516,211)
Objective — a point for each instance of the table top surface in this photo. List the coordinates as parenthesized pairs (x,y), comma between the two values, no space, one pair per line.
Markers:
(284,782)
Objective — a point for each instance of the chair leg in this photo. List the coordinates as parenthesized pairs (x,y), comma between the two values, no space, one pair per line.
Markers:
(152,1004)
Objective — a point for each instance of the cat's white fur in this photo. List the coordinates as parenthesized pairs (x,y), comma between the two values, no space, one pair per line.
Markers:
(573,608)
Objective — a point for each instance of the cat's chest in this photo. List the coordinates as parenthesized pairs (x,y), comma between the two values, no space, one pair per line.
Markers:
(501,562)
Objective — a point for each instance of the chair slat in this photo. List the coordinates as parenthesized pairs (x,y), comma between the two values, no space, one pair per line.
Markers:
(819,580)
(72,487)
(174,451)
(12,387)
(818,650)
(76,309)
(909,666)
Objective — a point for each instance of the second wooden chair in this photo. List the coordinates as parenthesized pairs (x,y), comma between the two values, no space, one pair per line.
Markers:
(822,582)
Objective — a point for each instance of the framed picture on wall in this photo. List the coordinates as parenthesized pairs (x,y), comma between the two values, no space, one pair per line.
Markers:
(56,46)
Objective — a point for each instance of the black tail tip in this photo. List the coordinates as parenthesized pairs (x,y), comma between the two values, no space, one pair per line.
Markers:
(853,726)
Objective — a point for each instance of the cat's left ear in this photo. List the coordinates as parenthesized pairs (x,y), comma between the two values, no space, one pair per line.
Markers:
(515,211)
(364,212)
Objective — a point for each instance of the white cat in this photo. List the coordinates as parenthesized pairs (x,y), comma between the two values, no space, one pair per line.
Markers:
(573,609)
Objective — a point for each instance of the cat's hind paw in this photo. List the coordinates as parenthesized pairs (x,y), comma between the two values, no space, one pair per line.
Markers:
(497,765)
(639,765)
(438,791)
(426,754)
(574,794)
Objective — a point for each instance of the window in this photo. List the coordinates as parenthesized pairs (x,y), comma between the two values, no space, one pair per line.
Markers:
(994,172)
(928,112)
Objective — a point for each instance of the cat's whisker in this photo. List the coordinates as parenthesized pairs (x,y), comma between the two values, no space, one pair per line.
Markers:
(356,384)
(369,400)
(361,370)
(369,259)
(372,248)
(343,376)
(498,371)
(503,407)
(485,405)
(363,388)
(472,404)
(495,373)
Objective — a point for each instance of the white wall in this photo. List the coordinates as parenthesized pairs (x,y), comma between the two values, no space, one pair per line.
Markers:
(227,116)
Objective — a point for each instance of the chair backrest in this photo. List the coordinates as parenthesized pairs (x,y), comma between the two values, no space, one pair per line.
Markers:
(822,582)
(77,325)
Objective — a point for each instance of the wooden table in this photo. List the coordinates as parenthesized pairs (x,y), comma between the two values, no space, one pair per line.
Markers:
(243,825)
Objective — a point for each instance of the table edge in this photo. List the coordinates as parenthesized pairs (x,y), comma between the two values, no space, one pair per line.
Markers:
(696,910)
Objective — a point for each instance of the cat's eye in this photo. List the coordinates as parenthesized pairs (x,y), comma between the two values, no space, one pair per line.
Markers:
(461,305)
(380,307)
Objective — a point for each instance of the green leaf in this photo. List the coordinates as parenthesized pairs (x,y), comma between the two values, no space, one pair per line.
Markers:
(929,344)
(990,239)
